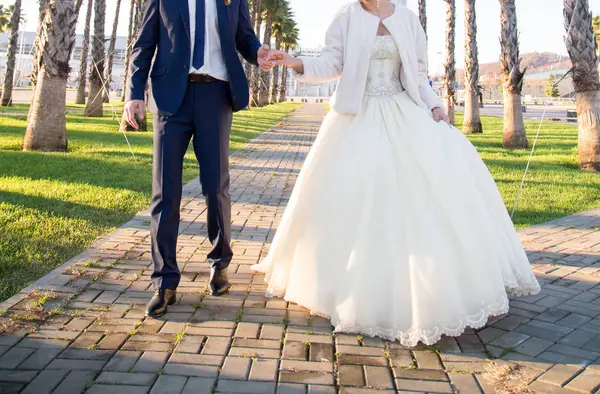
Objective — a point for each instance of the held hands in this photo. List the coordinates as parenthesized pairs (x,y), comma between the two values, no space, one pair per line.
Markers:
(267,59)
(439,115)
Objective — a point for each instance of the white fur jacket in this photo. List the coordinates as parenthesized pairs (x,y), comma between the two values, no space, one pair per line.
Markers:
(347,49)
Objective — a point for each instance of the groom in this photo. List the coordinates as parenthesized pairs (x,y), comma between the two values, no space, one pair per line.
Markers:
(197,83)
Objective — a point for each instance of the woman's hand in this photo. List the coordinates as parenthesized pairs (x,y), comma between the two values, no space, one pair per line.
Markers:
(281,58)
(439,114)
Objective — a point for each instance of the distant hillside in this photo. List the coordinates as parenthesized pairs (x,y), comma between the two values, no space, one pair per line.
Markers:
(536,62)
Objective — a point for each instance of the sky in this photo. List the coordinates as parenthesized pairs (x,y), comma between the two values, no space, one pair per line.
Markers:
(540,25)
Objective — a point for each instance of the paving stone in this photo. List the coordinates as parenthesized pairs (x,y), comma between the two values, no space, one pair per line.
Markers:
(122,361)
(166,384)
(306,366)
(75,382)
(578,338)
(45,382)
(510,340)
(135,379)
(14,357)
(546,388)
(351,375)
(427,360)
(232,386)
(308,377)
(151,362)
(560,374)
(198,370)
(510,322)
(8,375)
(321,352)
(420,374)
(295,350)
(264,370)
(379,377)
(270,331)
(317,389)
(116,389)
(552,316)
(587,381)
(247,330)
(235,368)
(113,341)
(349,359)
(199,385)
(533,347)
(76,365)
(290,388)
(424,386)
(216,346)
(86,354)
(465,383)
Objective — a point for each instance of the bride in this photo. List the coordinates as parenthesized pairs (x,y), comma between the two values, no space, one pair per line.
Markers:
(395,227)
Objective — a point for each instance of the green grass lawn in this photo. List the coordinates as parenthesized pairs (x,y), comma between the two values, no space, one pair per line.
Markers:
(554,186)
(54,205)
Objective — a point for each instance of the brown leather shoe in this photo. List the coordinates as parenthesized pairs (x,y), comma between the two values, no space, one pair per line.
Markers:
(158,304)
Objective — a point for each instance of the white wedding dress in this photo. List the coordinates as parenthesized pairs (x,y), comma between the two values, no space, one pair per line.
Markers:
(395,227)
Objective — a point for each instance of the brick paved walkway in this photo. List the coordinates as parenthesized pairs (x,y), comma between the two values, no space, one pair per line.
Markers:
(82,327)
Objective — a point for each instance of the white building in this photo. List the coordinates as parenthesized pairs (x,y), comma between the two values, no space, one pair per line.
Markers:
(301,89)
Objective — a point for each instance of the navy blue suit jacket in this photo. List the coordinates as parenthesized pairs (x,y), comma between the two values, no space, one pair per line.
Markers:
(165,29)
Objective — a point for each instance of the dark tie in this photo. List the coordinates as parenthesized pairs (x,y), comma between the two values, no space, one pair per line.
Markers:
(198,60)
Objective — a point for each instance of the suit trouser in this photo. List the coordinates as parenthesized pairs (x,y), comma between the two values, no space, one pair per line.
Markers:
(204,117)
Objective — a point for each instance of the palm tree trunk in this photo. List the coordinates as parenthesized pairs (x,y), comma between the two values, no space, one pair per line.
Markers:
(46,128)
(247,65)
(581,45)
(255,83)
(130,38)
(450,64)
(263,89)
(35,66)
(472,120)
(85,50)
(423,15)
(96,90)
(274,88)
(111,52)
(11,55)
(514,135)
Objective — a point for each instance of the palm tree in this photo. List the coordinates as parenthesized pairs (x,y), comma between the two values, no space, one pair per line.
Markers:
(289,41)
(472,120)
(96,91)
(130,38)
(596,26)
(450,63)
(281,22)
(423,14)
(35,65)
(581,45)
(247,65)
(85,50)
(274,10)
(46,128)
(255,82)
(15,19)
(5,14)
(111,51)
(514,135)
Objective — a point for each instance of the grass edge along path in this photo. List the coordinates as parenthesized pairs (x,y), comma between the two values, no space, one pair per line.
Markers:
(54,205)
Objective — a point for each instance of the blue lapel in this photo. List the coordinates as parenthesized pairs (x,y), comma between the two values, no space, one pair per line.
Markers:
(223,16)
(185,14)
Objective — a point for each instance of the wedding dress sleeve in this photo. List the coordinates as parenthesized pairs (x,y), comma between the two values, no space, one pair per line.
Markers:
(425,90)
(330,63)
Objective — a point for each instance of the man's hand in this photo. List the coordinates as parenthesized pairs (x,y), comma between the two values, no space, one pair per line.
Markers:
(133,108)
(439,115)
(262,57)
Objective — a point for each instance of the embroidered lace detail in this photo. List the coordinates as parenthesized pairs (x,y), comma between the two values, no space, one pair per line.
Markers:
(384,70)
(519,285)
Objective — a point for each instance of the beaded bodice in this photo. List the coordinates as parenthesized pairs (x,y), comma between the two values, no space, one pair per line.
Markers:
(384,68)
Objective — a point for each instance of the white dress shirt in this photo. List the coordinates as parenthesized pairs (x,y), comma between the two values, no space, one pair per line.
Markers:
(214,65)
